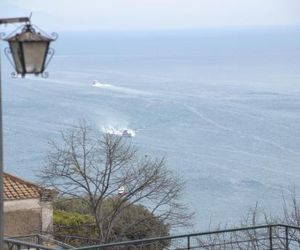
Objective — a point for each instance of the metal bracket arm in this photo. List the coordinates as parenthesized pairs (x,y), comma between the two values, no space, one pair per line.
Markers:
(14,20)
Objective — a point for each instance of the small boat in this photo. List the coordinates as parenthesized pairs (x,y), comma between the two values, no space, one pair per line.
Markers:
(95,82)
(127,133)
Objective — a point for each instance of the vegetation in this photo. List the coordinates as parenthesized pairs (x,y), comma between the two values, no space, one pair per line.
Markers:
(260,238)
(91,168)
(73,228)
(74,225)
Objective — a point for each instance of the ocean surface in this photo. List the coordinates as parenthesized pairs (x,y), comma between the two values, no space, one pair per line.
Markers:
(222,105)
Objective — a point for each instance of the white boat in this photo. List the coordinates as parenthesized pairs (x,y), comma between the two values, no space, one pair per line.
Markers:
(122,132)
(98,84)
(127,133)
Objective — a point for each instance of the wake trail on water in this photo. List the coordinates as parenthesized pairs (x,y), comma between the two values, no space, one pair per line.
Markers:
(119,89)
(97,84)
(254,137)
(123,132)
(204,118)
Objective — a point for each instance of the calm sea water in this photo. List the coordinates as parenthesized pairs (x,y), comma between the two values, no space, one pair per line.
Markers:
(222,106)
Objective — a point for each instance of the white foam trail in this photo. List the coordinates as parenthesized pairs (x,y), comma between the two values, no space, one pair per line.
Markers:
(96,84)
(208,120)
(254,137)
(123,90)
(120,132)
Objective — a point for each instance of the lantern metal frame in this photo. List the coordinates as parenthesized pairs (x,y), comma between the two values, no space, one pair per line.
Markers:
(28,27)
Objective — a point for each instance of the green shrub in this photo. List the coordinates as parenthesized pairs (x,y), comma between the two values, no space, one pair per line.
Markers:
(75,225)
(74,228)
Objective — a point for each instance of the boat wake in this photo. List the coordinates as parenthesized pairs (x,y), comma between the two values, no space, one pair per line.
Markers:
(123,90)
(129,133)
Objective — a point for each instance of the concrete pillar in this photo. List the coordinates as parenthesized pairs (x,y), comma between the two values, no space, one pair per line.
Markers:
(47,218)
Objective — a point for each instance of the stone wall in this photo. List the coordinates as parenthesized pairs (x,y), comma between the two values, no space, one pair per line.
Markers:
(23,217)
(22,222)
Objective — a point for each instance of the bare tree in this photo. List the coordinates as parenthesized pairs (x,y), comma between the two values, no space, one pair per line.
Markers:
(259,238)
(92,166)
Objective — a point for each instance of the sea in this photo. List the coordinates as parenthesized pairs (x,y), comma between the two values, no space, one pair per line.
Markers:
(222,105)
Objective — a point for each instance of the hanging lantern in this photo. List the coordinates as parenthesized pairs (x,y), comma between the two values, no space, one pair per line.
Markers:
(30,51)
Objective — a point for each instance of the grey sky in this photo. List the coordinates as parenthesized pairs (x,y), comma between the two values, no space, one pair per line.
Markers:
(154,14)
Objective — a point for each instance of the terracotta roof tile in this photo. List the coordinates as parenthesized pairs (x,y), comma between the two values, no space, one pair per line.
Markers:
(17,189)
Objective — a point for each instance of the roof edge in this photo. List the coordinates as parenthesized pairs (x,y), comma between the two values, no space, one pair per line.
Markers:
(24,181)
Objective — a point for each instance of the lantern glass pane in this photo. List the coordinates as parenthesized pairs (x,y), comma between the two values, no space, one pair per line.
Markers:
(35,55)
(17,56)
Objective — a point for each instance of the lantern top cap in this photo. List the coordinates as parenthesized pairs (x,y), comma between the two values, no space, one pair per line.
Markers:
(28,34)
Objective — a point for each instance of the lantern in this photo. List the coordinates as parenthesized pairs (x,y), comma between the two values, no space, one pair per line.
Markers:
(29,50)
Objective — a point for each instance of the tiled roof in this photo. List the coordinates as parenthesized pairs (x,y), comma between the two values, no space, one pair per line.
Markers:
(18,189)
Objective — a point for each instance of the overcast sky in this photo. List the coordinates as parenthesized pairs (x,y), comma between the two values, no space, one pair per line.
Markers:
(153,14)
